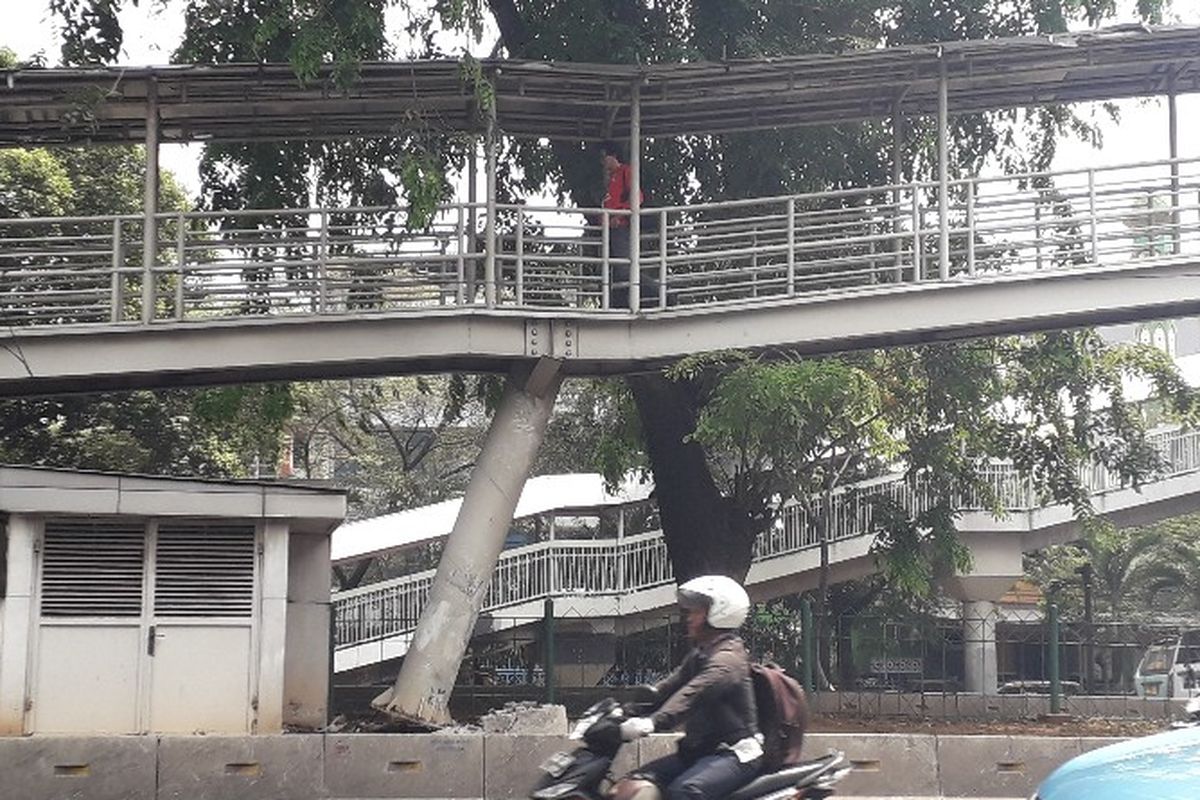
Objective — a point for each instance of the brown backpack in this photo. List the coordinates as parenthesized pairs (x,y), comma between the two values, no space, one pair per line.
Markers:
(782,715)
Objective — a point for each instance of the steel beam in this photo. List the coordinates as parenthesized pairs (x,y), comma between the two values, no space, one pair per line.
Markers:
(88,358)
(423,687)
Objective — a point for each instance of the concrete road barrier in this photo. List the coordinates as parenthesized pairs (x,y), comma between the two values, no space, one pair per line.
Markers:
(468,766)
(91,767)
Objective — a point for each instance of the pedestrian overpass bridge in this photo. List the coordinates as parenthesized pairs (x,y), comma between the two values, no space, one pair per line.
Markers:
(327,292)
(630,578)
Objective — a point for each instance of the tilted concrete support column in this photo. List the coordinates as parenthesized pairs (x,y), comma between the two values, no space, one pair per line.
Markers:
(422,690)
(979,646)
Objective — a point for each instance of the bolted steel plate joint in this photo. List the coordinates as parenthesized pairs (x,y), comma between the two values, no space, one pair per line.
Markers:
(551,338)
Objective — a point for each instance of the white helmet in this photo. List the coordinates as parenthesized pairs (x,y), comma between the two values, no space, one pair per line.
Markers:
(725,600)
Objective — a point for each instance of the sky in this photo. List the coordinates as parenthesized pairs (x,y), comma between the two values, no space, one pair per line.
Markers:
(154,28)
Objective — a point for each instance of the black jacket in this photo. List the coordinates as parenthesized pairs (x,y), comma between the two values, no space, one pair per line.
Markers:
(711,694)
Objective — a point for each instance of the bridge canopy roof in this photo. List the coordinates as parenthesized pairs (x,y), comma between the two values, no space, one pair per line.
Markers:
(543,494)
(578,101)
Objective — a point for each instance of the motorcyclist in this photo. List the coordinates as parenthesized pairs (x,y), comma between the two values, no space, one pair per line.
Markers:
(711,694)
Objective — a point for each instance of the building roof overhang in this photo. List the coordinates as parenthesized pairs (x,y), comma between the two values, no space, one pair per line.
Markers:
(576,101)
(45,491)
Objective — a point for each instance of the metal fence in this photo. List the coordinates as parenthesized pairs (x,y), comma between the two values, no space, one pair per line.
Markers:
(875,665)
(199,266)
(638,563)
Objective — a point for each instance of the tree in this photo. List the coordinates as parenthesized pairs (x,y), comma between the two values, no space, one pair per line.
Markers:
(717,526)
(211,432)
(1154,567)
(395,443)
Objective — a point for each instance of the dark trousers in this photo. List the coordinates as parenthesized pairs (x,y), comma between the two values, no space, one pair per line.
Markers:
(705,778)
(618,248)
(618,293)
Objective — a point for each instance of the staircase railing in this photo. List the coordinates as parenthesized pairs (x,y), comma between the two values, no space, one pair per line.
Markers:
(637,563)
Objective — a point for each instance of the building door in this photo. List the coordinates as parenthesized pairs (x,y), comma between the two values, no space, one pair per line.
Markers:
(201,625)
(150,627)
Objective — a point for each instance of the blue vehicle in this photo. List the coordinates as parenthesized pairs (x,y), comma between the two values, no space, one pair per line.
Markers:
(1165,766)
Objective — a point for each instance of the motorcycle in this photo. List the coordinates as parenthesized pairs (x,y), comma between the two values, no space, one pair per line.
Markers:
(1192,712)
(583,774)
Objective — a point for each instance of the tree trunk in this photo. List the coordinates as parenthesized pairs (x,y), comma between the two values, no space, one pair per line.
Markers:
(704,531)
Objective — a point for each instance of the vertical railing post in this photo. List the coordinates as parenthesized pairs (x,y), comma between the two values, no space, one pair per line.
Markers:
(460,267)
(1037,229)
(791,246)
(489,259)
(605,266)
(916,233)
(897,197)
(1173,141)
(1052,659)
(520,257)
(118,276)
(662,259)
(472,217)
(180,263)
(323,263)
(970,187)
(635,198)
(150,202)
(548,651)
(808,642)
(1091,176)
(943,172)
(754,262)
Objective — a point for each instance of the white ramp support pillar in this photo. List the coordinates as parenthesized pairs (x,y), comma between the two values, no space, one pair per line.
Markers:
(979,646)
(422,691)
(996,564)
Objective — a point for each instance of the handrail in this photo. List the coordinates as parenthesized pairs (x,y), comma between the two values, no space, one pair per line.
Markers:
(256,264)
(638,563)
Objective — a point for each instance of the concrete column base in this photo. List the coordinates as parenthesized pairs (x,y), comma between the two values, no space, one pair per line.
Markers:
(979,646)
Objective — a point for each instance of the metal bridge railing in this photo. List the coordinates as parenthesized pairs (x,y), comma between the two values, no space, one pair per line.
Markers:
(617,567)
(342,261)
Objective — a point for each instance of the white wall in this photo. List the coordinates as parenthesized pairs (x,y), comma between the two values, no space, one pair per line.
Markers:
(306,660)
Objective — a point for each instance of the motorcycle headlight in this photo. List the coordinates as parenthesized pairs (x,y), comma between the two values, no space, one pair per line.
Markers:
(552,791)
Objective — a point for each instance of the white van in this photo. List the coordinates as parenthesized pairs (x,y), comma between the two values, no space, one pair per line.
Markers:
(1171,669)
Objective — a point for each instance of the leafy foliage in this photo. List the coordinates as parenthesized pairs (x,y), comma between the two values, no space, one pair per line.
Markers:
(231,431)
(1138,572)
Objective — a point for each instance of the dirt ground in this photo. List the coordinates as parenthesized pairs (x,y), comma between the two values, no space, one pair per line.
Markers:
(1030,727)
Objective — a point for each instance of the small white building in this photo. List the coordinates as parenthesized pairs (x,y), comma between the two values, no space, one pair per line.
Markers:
(133,604)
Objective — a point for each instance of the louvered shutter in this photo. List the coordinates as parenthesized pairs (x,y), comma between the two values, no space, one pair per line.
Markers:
(92,568)
(204,571)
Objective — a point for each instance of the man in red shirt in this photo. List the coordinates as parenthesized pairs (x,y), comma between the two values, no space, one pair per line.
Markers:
(620,185)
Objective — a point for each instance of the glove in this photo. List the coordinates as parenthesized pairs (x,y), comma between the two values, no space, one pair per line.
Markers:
(636,728)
